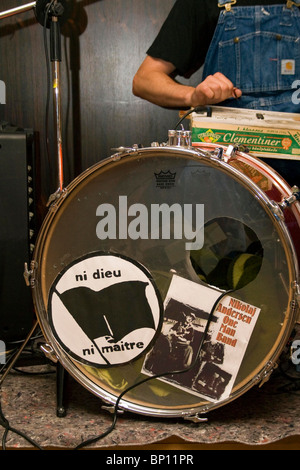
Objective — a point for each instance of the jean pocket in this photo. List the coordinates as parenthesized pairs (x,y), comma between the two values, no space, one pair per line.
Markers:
(261,61)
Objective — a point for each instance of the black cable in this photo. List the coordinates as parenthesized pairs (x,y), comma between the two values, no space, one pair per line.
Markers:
(14,356)
(4,423)
(7,428)
(115,414)
(197,109)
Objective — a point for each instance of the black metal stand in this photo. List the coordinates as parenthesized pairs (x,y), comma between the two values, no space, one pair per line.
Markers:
(60,391)
(50,13)
(16,357)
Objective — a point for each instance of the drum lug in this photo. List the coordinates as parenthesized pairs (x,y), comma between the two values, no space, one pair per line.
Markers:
(230,153)
(124,150)
(267,373)
(288,201)
(180,138)
(297,292)
(227,155)
(29,273)
(55,197)
(195,419)
(277,210)
(49,352)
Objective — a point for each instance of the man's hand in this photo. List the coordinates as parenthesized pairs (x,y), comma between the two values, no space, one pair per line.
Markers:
(214,89)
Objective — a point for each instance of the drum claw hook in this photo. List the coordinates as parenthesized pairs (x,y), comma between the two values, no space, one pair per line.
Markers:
(294,197)
(55,196)
(219,153)
(111,409)
(29,273)
(196,419)
(225,154)
(297,295)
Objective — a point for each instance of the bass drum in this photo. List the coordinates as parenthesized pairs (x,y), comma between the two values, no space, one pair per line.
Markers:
(169,275)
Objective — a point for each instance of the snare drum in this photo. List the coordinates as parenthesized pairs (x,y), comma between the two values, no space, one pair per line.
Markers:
(155,251)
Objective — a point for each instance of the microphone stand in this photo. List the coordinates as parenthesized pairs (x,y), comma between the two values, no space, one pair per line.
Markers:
(55,56)
(55,10)
(16,10)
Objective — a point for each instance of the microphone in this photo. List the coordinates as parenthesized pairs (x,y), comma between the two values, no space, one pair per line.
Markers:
(60,9)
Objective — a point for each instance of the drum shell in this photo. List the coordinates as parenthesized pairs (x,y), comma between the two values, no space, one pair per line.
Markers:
(121,171)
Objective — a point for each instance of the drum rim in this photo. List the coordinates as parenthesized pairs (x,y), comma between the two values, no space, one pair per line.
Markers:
(75,369)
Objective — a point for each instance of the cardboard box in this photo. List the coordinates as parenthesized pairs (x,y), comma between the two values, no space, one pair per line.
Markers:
(266,134)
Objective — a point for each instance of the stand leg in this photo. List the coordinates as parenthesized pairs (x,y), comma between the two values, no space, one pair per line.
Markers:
(60,388)
(30,334)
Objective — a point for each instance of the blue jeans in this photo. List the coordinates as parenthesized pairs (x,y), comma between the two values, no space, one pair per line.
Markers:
(258,49)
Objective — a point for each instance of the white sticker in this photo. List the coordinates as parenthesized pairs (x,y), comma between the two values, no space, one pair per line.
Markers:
(105,310)
(288,67)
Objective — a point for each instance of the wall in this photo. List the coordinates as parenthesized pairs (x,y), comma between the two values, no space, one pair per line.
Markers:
(103,44)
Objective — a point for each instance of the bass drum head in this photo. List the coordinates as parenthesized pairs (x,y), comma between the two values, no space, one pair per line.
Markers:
(163,234)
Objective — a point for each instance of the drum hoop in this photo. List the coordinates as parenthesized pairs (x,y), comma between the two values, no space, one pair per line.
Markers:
(70,364)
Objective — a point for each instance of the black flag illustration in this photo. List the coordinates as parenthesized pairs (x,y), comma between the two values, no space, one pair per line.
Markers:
(113,311)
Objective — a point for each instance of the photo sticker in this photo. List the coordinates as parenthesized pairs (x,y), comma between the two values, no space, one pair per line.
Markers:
(188,306)
(105,310)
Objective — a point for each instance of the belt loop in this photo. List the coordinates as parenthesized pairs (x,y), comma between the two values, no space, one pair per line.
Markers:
(227,4)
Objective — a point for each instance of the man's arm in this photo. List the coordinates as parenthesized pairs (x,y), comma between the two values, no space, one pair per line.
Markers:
(153,83)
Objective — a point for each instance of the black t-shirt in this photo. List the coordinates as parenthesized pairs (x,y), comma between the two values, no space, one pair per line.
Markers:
(186,34)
